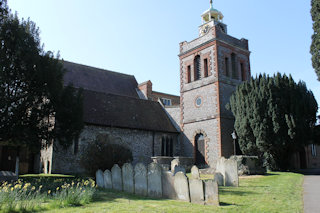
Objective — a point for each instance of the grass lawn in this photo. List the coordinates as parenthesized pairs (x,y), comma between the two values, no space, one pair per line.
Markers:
(275,192)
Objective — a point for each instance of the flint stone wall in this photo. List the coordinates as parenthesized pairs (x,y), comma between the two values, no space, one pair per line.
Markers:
(66,161)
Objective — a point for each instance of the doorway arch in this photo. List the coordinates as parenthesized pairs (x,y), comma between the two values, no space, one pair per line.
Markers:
(200,148)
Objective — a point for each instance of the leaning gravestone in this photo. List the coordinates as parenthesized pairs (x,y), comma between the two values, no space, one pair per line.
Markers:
(116,177)
(154,180)
(127,178)
(174,163)
(195,172)
(107,178)
(168,190)
(99,178)
(179,169)
(231,173)
(196,191)
(211,192)
(181,186)
(140,180)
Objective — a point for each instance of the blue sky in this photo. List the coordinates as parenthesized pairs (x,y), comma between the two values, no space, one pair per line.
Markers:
(142,37)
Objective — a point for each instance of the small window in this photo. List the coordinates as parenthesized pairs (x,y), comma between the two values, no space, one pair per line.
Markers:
(197,68)
(243,72)
(189,74)
(166,102)
(226,66)
(234,66)
(205,62)
(313,150)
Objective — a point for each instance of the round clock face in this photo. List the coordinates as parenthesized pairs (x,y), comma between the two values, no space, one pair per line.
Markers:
(198,101)
(205,29)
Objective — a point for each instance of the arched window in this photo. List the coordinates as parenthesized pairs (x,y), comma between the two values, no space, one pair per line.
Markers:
(243,72)
(197,68)
(234,66)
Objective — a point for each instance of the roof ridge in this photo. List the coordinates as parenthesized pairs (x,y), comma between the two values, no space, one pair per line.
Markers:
(124,96)
(97,68)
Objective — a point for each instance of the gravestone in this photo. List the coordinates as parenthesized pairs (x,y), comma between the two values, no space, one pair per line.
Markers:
(218,177)
(168,190)
(179,169)
(127,178)
(231,176)
(140,180)
(174,163)
(154,180)
(196,191)
(220,168)
(181,186)
(195,172)
(107,178)
(211,192)
(116,177)
(99,178)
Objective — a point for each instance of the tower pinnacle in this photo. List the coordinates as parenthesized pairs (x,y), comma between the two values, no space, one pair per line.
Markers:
(211,14)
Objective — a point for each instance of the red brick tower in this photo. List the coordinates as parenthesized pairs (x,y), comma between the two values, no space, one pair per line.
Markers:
(211,66)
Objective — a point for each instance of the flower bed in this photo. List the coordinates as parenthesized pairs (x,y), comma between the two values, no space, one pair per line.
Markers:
(32,193)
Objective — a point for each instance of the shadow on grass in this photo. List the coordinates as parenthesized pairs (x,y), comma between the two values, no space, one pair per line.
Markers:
(103,195)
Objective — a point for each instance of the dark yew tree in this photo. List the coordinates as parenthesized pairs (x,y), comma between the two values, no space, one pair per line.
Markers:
(274,117)
(315,46)
(34,104)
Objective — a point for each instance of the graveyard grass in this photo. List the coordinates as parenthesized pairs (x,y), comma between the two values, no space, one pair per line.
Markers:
(274,192)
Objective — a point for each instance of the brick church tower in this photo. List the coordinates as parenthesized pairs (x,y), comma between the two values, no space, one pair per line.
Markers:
(211,66)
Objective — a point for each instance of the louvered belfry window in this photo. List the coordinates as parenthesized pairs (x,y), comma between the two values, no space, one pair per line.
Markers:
(197,68)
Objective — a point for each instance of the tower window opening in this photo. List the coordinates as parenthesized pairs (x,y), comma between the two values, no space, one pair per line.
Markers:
(243,73)
(197,68)
(189,74)
(234,66)
(206,68)
(226,66)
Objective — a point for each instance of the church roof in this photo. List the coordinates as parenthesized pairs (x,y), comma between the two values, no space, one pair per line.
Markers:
(125,112)
(99,80)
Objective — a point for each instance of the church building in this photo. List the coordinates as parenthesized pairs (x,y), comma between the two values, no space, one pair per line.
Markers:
(195,125)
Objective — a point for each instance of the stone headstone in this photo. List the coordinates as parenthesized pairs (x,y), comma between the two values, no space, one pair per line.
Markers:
(116,177)
(196,191)
(154,180)
(218,177)
(211,192)
(179,169)
(140,179)
(181,186)
(107,178)
(174,163)
(127,178)
(231,176)
(168,190)
(99,178)
(195,172)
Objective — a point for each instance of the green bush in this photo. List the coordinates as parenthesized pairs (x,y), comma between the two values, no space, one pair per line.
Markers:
(103,156)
